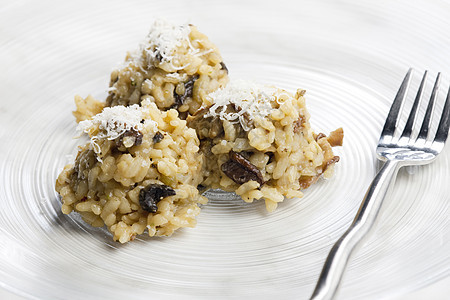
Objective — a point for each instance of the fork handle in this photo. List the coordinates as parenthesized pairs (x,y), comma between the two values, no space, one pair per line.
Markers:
(339,254)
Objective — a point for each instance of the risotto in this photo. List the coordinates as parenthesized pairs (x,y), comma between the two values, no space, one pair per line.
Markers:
(258,142)
(176,66)
(172,124)
(139,172)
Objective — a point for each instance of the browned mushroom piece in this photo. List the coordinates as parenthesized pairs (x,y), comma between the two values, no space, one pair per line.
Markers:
(306,181)
(326,143)
(240,170)
(336,138)
(299,124)
(209,126)
(188,91)
(83,163)
(320,136)
(134,134)
(224,67)
(158,137)
(152,194)
(205,127)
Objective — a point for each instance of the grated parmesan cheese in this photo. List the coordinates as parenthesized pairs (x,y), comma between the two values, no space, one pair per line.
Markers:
(162,40)
(114,121)
(160,46)
(252,98)
(177,76)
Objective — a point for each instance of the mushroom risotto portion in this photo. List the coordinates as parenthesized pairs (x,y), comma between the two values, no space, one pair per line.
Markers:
(139,172)
(176,66)
(258,142)
(172,124)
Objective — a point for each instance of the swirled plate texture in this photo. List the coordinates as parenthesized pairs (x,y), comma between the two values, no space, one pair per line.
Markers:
(350,56)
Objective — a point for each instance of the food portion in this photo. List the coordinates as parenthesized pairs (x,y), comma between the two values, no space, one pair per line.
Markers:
(258,142)
(171,124)
(176,66)
(139,172)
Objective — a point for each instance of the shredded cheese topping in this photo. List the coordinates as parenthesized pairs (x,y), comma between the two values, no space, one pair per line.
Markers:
(114,121)
(162,40)
(250,98)
(161,45)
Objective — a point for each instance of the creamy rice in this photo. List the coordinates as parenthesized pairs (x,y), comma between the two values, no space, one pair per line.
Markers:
(258,142)
(142,167)
(175,67)
(107,182)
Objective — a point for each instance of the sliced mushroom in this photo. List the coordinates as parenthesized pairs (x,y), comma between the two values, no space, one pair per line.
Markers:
(209,127)
(306,181)
(84,161)
(188,90)
(133,135)
(336,138)
(152,194)
(240,170)
(299,124)
(224,67)
(158,137)
(320,136)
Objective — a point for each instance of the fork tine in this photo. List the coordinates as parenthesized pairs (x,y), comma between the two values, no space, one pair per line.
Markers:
(413,114)
(423,133)
(391,120)
(444,123)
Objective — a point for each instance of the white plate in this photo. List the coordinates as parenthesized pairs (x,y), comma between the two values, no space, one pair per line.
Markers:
(349,56)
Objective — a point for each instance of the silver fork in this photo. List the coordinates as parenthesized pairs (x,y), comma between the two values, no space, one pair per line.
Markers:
(396,152)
